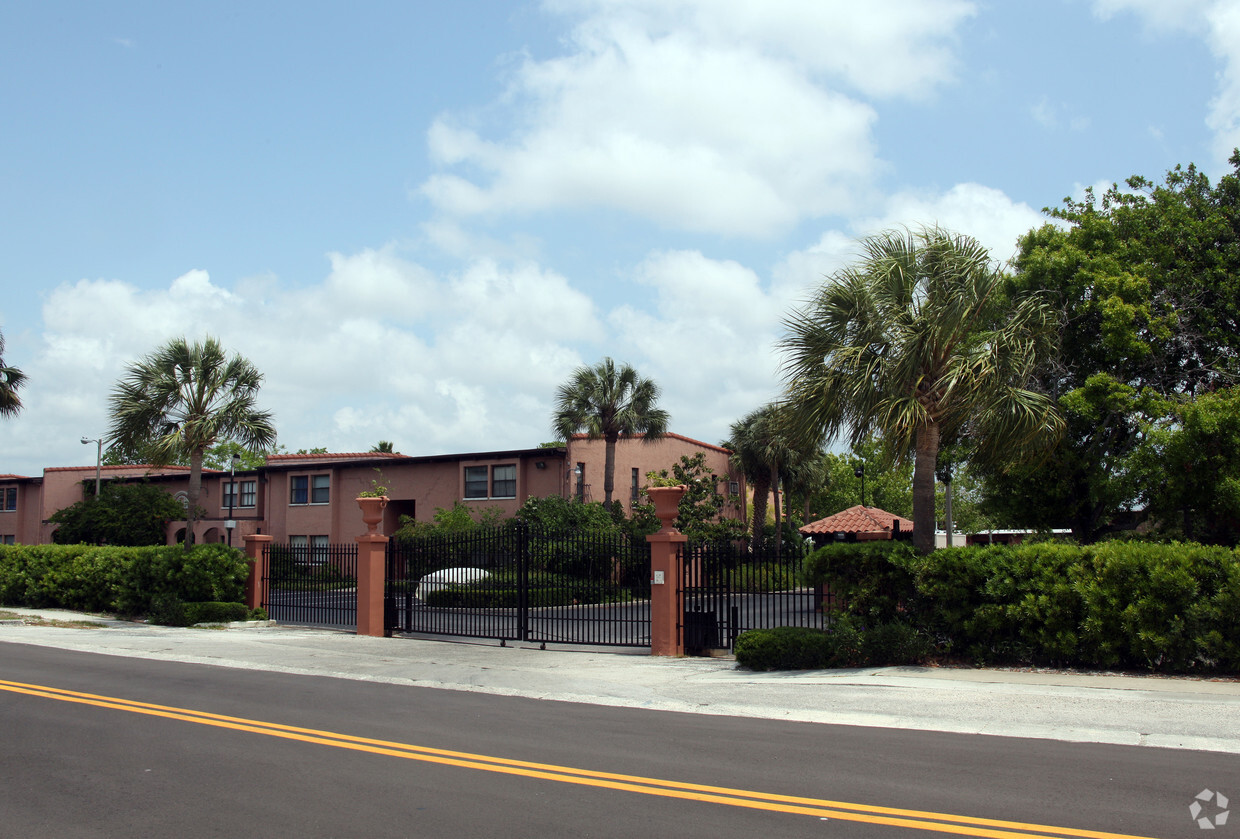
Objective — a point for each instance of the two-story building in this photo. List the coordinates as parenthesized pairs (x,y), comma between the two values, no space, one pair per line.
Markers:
(309,499)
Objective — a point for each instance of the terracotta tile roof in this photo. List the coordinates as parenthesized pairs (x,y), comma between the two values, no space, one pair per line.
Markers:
(117,467)
(856,519)
(284,458)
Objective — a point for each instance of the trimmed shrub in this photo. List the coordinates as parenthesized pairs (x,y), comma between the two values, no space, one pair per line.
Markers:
(874,580)
(784,648)
(123,580)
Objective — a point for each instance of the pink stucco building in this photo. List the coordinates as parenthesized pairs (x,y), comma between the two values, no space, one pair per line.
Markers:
(309,499)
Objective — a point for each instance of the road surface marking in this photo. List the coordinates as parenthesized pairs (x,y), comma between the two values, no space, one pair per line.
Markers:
(822,808)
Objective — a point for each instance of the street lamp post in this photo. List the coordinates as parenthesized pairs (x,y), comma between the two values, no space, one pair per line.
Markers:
(232,495)
(98,459)
(859,472)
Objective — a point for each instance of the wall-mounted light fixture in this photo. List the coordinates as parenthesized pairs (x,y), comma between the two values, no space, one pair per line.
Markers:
(540,464)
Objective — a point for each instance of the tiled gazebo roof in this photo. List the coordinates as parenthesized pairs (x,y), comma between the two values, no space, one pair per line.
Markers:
(866,522)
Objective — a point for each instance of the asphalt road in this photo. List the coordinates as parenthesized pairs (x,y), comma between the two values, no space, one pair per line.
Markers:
(363,758)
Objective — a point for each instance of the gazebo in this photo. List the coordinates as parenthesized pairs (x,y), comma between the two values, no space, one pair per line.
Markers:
(858,524)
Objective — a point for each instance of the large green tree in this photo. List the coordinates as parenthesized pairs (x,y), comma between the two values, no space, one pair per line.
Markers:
(184,398)
(606,402)
(123,514)
(1146,283)
(11,379)
(918,343)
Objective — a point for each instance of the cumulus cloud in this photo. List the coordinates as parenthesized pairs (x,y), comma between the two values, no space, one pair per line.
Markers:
(705,116)
(381,348)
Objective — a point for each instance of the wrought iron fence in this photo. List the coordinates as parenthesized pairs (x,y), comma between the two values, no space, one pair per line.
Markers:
(521,584)
(729,589)
(312,584)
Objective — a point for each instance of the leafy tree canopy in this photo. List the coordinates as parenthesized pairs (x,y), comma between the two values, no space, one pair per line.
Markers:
(698,515)
(11,379)
(1146,283)
(123,514)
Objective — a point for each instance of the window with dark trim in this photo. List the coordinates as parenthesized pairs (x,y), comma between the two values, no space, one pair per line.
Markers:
(636,489)
(247,497)
(504,481)
(249,494)
(475,482)
(320,489)
(9,498)
(299,489)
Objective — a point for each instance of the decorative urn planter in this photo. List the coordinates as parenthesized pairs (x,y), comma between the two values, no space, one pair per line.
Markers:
(666,502)
(372,510)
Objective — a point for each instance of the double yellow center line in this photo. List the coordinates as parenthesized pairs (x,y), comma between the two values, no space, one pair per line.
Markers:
(821,808)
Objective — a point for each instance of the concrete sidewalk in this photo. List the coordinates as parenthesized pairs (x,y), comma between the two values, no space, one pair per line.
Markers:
(1125,710)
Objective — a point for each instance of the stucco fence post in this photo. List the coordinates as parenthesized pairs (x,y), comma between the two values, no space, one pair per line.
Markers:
(667,608)
(256,585)
(371,569)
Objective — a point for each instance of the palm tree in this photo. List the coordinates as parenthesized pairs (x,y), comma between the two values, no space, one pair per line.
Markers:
(765,449)
(182,399)
(382,447)
(918,342)
(10,380)
(606,402)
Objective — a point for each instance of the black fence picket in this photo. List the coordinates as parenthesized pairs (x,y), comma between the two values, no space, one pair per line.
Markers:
(729,589)
(514,583)
(314,585)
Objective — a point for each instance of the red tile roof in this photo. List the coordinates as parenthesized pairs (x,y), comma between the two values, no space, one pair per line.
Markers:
(856,520)
(281,458)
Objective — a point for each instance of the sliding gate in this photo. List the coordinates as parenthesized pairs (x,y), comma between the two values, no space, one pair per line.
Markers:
(515,583)
(727,590)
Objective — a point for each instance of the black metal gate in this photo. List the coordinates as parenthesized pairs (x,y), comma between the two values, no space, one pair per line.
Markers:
(727,589)
(514,583)
(314,585)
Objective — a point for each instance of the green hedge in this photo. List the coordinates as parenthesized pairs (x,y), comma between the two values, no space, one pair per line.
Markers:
(845,644)
(1166,607)
(121,580)
(168,611)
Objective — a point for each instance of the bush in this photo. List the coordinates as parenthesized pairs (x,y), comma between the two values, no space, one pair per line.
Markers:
(171,611)
(123,580)
(845,644)
(874,581)
(784,648)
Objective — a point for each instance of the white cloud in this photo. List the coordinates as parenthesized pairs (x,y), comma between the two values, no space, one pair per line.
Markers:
(381,348)
(707,116)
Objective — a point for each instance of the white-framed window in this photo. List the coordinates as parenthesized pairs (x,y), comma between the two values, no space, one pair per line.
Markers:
(299,546)
(8,499)
(319,550)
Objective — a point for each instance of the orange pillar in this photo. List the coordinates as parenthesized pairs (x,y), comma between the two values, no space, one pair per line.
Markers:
(256,585)
(667,607)
(371,575)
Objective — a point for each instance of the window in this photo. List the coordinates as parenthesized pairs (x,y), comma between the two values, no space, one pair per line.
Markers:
(319,550)
(734,488)
(247,498)
(504,481)
(581,481)
(320,489)
(9,496)
(635,490)
(299,547)
(309,489)
(475,482)
(8,540)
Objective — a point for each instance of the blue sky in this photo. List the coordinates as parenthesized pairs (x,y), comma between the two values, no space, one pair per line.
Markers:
(418,218)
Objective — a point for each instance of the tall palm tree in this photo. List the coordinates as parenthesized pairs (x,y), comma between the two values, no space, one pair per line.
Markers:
(918,342)
(10,380)
(766,448)
(606,401)
(184,398)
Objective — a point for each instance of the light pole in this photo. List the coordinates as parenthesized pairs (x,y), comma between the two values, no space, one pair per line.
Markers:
(232,495)
(98,460)
(859,472)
